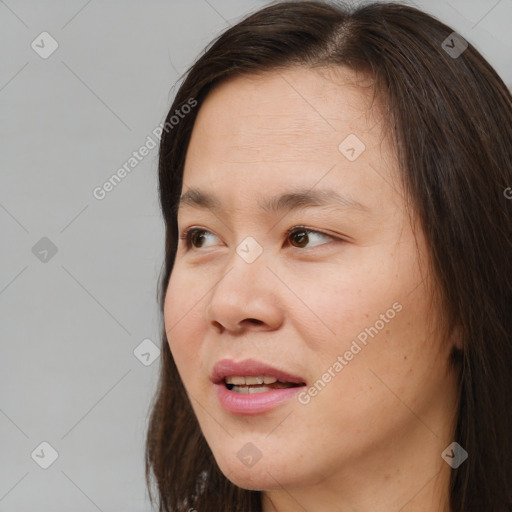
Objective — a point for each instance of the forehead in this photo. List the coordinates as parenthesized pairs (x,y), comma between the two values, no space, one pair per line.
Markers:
(297,109)
(267,131)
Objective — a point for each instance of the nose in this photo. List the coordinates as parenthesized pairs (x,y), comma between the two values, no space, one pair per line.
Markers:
(245,298)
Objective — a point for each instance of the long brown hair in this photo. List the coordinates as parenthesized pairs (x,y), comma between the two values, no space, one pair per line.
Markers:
(451,118)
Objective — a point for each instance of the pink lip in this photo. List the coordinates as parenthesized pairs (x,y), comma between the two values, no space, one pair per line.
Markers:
(255,403)
(249,368)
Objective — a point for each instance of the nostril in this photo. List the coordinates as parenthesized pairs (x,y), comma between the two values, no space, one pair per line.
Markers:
(218,326)
(240,327)
(254,321)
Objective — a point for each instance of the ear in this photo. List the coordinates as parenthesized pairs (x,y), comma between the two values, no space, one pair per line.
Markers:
(456,338)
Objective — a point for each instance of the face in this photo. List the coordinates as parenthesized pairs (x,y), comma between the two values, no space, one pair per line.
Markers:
(339,304)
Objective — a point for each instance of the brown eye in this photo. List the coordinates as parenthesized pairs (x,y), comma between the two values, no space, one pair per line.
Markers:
(301,237)
(195,238)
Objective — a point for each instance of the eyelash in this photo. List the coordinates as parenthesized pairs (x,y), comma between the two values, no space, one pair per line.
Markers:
(187,234)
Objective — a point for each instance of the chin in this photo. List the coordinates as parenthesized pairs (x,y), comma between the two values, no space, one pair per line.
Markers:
(262,475)
(252,479)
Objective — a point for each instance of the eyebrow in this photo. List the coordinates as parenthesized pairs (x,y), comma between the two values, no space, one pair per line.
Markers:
(288,201)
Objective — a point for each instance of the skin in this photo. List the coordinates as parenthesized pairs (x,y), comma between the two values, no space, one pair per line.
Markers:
(372,438)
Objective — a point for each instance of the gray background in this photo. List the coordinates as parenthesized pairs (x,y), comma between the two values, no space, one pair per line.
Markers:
(71,321)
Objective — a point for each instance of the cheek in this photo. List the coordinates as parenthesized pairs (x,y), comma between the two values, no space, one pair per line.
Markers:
(374,315)
(333,304)
(183,322)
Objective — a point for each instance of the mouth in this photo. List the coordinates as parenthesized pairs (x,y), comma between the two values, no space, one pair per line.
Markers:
(256,384)
(252,387)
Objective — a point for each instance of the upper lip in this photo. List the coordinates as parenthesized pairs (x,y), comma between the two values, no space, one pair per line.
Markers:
(249,368)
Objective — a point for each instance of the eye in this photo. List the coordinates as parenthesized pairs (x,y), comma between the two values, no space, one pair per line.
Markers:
(193,236)
(300,235)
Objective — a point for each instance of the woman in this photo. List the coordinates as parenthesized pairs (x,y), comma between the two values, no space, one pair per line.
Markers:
(337,285)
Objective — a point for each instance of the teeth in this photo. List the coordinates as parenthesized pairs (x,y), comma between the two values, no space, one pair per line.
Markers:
(235,380)
(244,390)
(248,390)
(259,389)
(254,380)
(259,379)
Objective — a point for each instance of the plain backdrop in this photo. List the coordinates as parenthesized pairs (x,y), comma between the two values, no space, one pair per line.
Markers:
(79,319)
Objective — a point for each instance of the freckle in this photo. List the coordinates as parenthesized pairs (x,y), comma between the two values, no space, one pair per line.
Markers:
(387,331)
(366,315)
(405,358)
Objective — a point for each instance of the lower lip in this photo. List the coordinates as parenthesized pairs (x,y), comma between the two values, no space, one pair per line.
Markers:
(255,403)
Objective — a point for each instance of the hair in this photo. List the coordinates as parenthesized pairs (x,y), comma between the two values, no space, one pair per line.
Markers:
(451,120)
